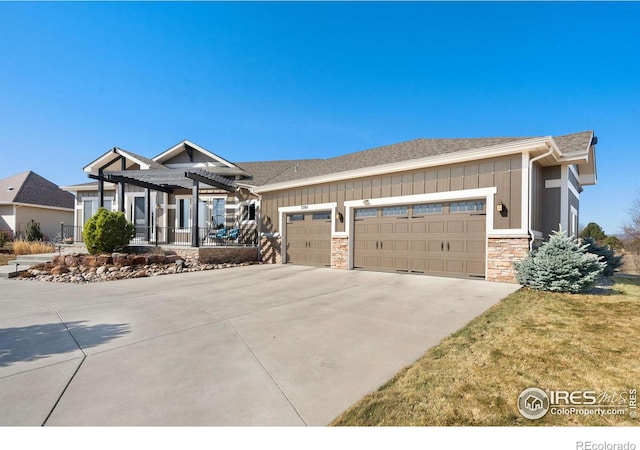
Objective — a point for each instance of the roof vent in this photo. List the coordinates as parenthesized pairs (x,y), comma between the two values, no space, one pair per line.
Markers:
(10,188)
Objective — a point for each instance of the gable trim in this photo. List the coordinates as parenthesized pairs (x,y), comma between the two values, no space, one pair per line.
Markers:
(177,148)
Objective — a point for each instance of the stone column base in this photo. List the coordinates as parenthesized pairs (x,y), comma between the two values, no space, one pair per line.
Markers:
(340,253)
(501,254)
(270,249)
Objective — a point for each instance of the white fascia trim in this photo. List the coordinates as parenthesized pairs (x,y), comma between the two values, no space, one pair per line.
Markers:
(420,163)
(118,151)
(548,184)
(282,219)
(587,180)
(524,191)
(564,198)
(175,149)
(29,205)
(88,187)
(573,169)
(574,191)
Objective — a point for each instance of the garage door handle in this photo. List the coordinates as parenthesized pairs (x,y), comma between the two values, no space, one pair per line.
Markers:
(441,246)
(377,243)
(448,246)
(380,245)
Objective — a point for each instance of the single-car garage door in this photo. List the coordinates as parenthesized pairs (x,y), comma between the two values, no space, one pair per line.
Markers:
(309,238)
(446,239)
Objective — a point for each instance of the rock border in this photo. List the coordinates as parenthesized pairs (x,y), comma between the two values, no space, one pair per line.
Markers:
(84,269)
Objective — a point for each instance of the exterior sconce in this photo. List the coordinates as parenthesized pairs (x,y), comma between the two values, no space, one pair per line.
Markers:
(340,217)
(499,207)
(267,219)
(366,202)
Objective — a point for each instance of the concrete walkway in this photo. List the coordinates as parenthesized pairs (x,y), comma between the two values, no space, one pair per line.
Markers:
(256,345)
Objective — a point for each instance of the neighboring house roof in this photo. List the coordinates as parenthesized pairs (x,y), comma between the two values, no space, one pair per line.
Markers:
(29,188)
(263,172)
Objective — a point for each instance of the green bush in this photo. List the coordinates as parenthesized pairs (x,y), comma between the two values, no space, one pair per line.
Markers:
(107,232)
(606,255)
(32,231)
(560,265)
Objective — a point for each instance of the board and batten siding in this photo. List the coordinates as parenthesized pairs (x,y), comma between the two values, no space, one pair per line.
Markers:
(504,173)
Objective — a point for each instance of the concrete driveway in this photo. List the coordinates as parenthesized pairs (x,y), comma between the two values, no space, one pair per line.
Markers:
(256,345)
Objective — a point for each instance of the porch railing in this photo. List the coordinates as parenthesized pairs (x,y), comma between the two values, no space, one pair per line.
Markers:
(70,234)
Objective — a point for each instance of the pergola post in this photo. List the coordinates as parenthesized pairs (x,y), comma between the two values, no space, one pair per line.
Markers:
(100,188)
(147,214)
(195,242)
(123,166)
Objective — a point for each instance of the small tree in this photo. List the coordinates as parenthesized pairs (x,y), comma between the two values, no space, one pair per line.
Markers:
(560,265)
(606,255)
(107,232)
(632,234)
(32,231)
(613,243)
(593,230)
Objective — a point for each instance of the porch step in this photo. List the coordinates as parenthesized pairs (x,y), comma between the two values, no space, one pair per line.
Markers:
(12,270)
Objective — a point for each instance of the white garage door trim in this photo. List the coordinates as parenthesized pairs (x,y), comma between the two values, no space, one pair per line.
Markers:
(284,210)
(486,193)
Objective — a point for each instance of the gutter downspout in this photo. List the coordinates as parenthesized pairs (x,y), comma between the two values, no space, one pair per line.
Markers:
(531,161)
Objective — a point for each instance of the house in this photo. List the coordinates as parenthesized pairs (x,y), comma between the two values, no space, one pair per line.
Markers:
(28,196)
(449,207)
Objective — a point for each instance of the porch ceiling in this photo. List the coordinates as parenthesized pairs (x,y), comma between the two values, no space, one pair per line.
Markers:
(168,180)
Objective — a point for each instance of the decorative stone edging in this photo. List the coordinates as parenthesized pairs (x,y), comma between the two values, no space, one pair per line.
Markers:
(82,269)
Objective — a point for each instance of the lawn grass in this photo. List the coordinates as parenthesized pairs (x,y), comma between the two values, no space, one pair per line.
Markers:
(530,339)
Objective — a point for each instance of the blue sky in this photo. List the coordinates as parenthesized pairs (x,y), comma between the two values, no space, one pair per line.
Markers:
(255,81)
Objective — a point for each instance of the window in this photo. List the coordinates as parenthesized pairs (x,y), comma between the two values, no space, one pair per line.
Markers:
(432,208)
(248,212)
(321,215)
(296,217)
(395,211)
(367,212)
(183,213)
(472,205)
(90,207)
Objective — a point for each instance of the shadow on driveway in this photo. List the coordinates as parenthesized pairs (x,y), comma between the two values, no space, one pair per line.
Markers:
(34,342)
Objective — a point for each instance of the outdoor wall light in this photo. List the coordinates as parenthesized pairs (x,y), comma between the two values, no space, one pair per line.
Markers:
(340,217)
(499,207)
(267,219)
(366,202)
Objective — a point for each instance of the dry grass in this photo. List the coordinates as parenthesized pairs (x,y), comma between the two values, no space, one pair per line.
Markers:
(530,339)
(22,247)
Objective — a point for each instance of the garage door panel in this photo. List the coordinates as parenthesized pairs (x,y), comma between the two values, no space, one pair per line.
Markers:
(455,226)
(402,245)
(476,226)
(475,268)
(401,228)
(418,227)
(436,227)
(476,247)
(419,246)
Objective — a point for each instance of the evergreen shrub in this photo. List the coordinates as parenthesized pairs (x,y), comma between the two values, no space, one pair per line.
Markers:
(606,255)
(560,265)
(107,232)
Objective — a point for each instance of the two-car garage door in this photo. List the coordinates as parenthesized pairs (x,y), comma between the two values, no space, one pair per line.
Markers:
(438,238)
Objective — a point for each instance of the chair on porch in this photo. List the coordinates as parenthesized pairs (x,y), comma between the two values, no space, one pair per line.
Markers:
(233,235)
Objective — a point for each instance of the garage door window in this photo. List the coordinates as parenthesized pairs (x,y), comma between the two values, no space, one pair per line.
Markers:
(433,208)
(321,216)
(296,217)
(395,211)
(470,206)
(367,212)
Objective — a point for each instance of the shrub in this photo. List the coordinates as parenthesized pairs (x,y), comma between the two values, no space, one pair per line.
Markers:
(32,232)
(3,238)
(107,232)
(559,265)
(606,254)
(613,243)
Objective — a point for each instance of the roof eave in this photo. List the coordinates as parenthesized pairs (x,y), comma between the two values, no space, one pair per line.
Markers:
(530,145)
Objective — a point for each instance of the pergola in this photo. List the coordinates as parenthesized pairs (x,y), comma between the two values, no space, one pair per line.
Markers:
(166,180)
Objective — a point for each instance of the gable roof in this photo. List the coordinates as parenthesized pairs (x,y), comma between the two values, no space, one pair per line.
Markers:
(111,157)
(188,146)
(29,188)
